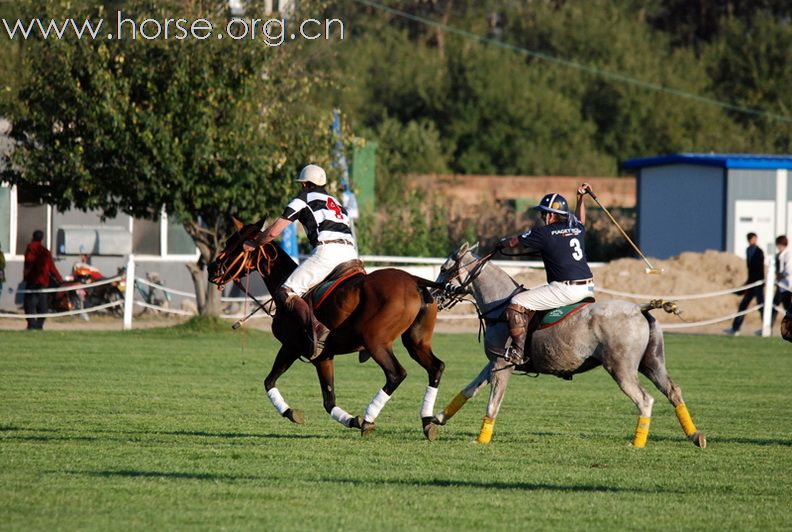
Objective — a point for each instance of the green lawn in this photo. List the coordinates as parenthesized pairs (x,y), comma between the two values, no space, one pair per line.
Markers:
(171,429)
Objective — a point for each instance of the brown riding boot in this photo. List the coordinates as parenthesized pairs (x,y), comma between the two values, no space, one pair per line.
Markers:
(316,331)
(518,317)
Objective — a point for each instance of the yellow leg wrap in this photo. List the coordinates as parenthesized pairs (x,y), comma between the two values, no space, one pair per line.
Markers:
(641,432)
(684,419)
(485,436)
(454,406)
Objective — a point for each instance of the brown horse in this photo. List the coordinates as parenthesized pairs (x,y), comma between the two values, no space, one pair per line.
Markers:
(365,314)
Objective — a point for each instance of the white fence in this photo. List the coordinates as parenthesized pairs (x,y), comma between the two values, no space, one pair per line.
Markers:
(424,267)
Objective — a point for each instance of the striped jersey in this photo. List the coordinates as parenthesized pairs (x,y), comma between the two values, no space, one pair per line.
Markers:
(322,216)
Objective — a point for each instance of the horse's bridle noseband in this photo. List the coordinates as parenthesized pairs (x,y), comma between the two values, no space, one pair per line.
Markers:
(231,266)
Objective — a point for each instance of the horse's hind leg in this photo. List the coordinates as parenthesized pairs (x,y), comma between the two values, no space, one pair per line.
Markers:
(626,377)
(654,368)
(283,361)
(417,340)
(325,372)
(473,387)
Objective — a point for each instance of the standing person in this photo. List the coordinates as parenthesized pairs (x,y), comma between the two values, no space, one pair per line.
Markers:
(329,231)
(2,270)
(561,244)
(39,268)
(754,260)
(783,296)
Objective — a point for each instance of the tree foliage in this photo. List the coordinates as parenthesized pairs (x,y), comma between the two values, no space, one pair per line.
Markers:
(205,129)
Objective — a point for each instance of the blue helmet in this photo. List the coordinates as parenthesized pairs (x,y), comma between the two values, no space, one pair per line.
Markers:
(555,203)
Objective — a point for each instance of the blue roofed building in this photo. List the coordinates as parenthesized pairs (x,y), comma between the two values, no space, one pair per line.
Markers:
(695,202)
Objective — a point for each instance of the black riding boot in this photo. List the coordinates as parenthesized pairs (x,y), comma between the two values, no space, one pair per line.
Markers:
(519,318)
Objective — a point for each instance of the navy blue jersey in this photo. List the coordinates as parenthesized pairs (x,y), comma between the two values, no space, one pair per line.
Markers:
(563,250)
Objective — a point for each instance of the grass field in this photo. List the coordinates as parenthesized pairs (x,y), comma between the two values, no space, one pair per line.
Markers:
(170,429)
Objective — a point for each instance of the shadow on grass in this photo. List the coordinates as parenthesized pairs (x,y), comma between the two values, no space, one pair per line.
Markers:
(523,486)
(133,473)
(732,439)
(418,483)
(143,433)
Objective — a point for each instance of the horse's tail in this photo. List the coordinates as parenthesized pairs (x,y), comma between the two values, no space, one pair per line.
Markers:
(656,346)
(424,288)
(426,283)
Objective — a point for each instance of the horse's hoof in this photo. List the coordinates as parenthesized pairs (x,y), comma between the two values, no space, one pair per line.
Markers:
(356,422)
(295,416)
(699,440)
(429,429)
(366,428)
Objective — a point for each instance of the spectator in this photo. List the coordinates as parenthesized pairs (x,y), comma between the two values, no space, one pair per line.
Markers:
(38,271)
(2,270)
(754,259)
(783,296)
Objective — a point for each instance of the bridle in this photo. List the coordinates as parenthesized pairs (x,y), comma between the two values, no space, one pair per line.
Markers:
(231,266)
(452,294)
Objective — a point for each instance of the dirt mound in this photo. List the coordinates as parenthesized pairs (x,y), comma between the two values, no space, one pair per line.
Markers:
(685,275)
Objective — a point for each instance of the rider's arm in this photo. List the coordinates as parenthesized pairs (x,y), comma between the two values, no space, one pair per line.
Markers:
(273,231)
(580,208)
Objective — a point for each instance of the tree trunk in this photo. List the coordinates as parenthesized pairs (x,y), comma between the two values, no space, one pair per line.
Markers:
(207,297)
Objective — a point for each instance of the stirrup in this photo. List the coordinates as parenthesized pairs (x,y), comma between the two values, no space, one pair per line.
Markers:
(514,355)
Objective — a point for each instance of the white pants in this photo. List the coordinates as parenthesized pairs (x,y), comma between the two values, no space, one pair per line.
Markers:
(553,295)
(318,266)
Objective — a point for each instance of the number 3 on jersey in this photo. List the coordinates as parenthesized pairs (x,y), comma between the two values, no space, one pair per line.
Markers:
(333,206)
(577,251)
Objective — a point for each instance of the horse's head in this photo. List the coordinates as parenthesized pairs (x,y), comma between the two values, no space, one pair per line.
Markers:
(786,327)
(233,261)
(455,269)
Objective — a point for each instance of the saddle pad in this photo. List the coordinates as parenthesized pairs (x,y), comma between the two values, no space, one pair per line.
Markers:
(322,291)
(555,316)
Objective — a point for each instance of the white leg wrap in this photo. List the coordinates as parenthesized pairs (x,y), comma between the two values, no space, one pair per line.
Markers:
(341,415)
(277,401)
(375,406)
(429,401)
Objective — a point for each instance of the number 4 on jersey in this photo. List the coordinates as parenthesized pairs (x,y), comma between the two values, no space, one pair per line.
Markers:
(333,206)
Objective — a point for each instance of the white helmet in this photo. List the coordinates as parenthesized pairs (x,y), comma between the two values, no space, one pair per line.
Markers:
(314,174)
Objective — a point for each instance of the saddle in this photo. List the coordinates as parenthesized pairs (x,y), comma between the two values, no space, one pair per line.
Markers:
(544,319)
(346,270)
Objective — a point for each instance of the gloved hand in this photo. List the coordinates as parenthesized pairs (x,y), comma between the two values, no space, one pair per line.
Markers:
(507,242)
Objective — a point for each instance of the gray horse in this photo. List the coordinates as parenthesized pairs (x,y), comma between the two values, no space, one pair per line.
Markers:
(620,336)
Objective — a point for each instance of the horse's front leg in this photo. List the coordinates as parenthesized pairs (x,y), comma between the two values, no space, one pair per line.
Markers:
(283,361)
(501,371)
(481,380)
(325,370)
(394,375)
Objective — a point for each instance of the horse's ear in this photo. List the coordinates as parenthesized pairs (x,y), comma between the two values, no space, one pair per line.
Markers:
(462,249)
(237,224)
(260,223)
(474,247)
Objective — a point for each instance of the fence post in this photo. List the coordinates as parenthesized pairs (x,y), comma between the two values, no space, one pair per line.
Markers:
(769,292)
(129,293)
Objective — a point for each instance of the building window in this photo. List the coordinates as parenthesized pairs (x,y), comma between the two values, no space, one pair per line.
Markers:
(145,237)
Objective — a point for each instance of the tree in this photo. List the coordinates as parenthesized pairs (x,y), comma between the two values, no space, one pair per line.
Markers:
(204,128)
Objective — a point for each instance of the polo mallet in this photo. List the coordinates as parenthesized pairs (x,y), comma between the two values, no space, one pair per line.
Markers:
(649,268)
(238,323)
(259,306)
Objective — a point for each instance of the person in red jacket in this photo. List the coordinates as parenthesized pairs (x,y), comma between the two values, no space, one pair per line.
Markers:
(38,271)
